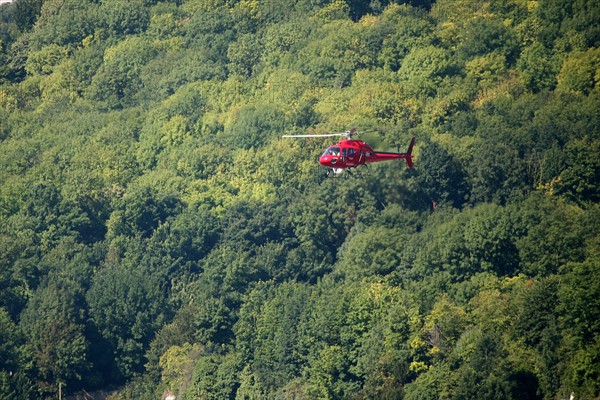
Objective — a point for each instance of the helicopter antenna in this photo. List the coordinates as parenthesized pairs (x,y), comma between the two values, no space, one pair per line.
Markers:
(347,134)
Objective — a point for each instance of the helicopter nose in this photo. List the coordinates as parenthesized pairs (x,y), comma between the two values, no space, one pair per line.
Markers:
(326,161)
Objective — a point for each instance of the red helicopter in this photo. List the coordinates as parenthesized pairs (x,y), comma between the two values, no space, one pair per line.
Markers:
(352,153)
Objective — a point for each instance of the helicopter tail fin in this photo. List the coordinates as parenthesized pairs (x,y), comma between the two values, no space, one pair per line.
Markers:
(408,155)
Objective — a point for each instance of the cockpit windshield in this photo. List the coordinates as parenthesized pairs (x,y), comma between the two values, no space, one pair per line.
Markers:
(333,151)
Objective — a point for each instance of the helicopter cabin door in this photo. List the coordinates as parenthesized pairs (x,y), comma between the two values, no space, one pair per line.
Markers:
(350,156)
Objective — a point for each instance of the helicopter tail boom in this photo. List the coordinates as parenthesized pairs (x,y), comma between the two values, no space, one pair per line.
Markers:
(381,156)
(384,156)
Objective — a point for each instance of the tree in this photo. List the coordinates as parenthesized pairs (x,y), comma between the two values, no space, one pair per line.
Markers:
(371,252)
(578,295)
(583,168)
(254,127)
(125,18)
(443,326)
(142,211)
(26,12)
(487,69)
(482,36)
(496,173)
(328,377)
(278,353)
(44,61)
(86,61)
(485,372)
(440,178)
(214,377)
(281,38)
(118,78)
(149,209)
(577,291)
(189,237)
(385,355)
(538,69)
(535,324)
(64,23)
(551,235)
(320,231)
(425,67)
(579,72)
(177,365)
(53,323)
(10,340)
(126,307)
(428,385)
(244,55)
(490,238)
(337,52)
(17,385)
(410,27)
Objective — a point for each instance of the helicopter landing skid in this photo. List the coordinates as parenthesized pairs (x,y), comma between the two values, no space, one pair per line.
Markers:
(346,172)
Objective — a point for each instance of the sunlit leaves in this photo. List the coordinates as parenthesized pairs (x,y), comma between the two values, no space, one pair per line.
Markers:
(339,51)
(425,67)
(243,55)
(214,377)
(280,38)
(177,364)
(43,61)
(538,69)
(487,68)
(254,126)
(580,72)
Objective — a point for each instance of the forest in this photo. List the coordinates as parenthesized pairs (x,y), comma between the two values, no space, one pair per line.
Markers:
(158,236)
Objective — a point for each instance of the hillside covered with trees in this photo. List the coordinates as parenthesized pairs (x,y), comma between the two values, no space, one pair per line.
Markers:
(157,235)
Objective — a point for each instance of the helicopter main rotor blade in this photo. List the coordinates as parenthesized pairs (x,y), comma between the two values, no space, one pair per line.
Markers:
(347,134)
(324,135)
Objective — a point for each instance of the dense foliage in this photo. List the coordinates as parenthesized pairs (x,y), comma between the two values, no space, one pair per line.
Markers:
(157,235)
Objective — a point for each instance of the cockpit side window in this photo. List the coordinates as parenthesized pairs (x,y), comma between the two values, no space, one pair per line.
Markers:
(333,151)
